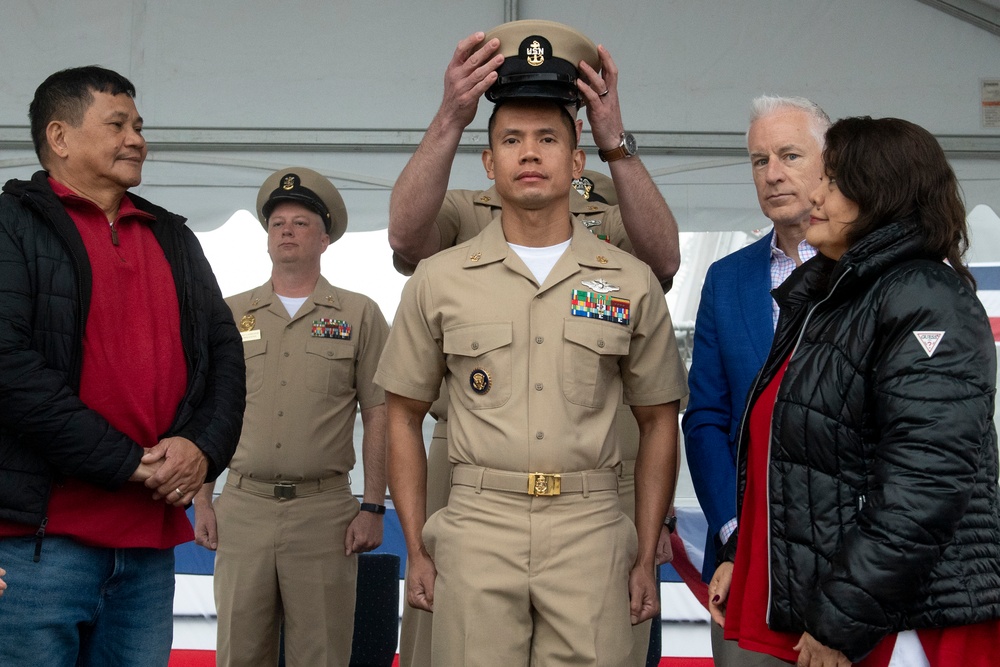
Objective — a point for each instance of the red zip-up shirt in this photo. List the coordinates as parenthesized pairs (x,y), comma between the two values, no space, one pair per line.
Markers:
(133,373)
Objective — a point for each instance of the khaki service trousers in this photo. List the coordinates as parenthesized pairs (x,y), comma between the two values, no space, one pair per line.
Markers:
(531,580)
(415,630)
(284,560)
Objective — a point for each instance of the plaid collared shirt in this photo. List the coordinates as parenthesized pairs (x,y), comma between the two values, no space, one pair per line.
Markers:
(782,266)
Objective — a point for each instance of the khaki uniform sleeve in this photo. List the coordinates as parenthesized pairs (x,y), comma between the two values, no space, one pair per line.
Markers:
(653,372)
(413,364)
(616,230)
(374,333)
(449,218)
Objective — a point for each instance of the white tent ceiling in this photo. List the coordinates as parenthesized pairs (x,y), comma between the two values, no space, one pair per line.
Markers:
(232,89)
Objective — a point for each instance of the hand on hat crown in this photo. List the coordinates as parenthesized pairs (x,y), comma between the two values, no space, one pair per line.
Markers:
(603,112)
(470,73)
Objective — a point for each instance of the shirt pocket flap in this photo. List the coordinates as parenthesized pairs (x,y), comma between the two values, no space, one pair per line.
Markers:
(254,348)
(329,348)
(598,338)
(474,340)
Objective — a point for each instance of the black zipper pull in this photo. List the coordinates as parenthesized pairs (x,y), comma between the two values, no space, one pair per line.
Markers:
(39,534)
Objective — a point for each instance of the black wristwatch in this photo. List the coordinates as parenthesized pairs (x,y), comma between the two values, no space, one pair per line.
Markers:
(671,523)
(373,508)
(627,148)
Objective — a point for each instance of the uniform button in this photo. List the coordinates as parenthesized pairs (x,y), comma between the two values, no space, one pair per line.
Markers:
(600,342)
(283,383)
(281,413)
(539,340)
(475,346)
(329,353)
(278,476)
(539,435)
(538,386)
(278,446)
(286,354)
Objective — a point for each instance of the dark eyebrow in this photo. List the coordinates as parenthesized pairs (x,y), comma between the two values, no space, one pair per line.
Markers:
(121,115)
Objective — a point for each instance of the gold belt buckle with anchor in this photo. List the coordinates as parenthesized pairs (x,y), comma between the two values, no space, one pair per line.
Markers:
(543,484)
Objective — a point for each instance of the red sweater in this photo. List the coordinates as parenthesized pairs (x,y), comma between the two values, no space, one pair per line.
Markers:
(133,373)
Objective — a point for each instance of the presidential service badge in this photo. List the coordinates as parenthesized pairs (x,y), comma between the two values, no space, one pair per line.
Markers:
(480,381)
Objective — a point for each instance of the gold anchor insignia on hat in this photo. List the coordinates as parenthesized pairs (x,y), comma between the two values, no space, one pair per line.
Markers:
(535,53)
(288,182)
(601,259)
(247,322)
(476,257)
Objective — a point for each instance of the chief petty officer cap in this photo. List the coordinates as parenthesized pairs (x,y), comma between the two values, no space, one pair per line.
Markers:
(540,60)
(305,186)
(595,186)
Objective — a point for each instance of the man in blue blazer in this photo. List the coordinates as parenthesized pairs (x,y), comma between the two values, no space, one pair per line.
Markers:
(736,315)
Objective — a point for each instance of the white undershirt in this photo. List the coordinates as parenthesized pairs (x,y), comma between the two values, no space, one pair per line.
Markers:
(540,260)
(292,303)
(908,652)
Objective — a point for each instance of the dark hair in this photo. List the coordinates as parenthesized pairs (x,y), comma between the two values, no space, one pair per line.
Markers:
(66,96)
(533,102)
(893,169)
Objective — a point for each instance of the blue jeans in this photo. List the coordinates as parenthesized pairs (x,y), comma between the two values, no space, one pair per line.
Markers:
(85,606)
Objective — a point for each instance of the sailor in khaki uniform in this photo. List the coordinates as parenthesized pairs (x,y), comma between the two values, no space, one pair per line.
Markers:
(538,329)
(425,218)
(289,528)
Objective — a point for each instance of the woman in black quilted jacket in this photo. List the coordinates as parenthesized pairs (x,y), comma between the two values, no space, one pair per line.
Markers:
(869,521)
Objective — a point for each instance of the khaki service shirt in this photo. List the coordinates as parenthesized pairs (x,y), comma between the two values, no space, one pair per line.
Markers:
(534,387)
(306,377)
